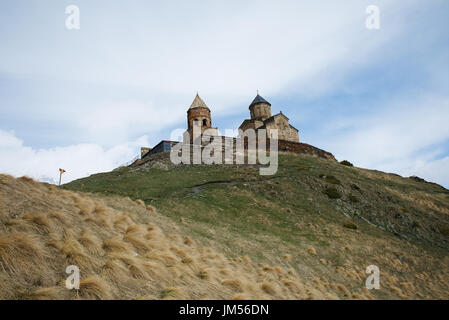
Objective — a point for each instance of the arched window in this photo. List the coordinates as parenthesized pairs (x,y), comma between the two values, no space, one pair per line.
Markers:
(205,122)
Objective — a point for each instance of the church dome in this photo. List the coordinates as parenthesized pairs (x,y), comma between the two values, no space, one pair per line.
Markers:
(198,103)
(258,99)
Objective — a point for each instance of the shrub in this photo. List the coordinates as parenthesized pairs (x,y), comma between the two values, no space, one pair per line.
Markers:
(346,163)
(417,179)
(116,245)
(234,284)
(21,253)
(188,241)
(445,231)
(187,260)
(95,287)
(268,288)
(332,179)
(332,193)
(170,293)
(353,198)
(140,202)
(350,225)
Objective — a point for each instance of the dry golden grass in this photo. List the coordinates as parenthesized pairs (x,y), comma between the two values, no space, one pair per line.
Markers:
(41,220)
(312,251)
(91,243)
(20,253)
(171,293)
(188,241)
(58,217)
(151,208)
(95,287)
(234,284)
(85,206)
(268,288)
(50,293)
(125,253)
(116,245)
(287,257)
(140,203)
(123,222)
(115,270)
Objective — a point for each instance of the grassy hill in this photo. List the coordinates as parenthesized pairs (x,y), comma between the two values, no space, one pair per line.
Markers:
(161,231)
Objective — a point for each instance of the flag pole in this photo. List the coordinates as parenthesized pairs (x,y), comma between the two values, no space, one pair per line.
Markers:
(61,171)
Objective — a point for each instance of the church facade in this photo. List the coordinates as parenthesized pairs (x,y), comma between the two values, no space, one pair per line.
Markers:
(199,115)
(199,120)
(261,118)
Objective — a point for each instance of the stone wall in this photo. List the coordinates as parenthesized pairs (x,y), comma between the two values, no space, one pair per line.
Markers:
(260,111)
(199,114)
(251,124)
(288,146)
(285,131)
(298,147)
(301,148)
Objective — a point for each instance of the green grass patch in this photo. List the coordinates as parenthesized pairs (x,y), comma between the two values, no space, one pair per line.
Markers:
(333,180)
(165,293)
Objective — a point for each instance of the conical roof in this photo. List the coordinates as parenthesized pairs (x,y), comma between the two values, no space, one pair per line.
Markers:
(258,99)
(198,103)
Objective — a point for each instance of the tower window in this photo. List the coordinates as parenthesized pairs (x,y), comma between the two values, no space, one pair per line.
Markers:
(204,122)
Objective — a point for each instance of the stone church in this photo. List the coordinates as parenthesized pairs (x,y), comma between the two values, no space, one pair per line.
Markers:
(199,117)
(260,111)
(261,118)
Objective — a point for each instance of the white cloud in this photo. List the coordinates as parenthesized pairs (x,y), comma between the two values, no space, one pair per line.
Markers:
(403,137)
(114,122)
(208,46)
(435,171)
(78,160)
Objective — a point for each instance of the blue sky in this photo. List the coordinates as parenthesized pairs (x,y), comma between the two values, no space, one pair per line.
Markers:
(87,100)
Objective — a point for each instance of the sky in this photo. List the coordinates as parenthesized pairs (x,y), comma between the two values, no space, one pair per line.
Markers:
(86,100)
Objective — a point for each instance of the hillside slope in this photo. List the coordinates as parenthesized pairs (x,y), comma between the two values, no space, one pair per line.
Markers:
(121,250)
(309,232)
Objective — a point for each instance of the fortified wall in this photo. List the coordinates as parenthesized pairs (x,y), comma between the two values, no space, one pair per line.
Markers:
(284,146)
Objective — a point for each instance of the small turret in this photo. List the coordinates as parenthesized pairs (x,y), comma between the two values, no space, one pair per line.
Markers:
(199,114)
(260,108)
